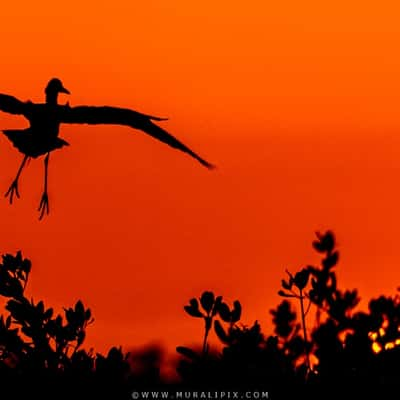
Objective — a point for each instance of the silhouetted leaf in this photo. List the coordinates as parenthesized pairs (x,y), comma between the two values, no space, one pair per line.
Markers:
(29,331)
(224,312)
(10,262)
(115,355)
(326,242)
(329,241)
(318,246)
(69,314)
(331,260)
(193,312)
(26,266)
(194,303)
(80,338)
(301,278)
(207,301)
(217,303)
(189,353)
(220,331)
(284,294)
(291,278)
(58,320)
(48,314)
(40,307)
(88,315)
(236,311)
(11,287)
(79,308)
(20,312)
(286,285)
(18,257)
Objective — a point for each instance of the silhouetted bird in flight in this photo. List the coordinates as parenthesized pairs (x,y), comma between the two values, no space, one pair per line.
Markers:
(41,137)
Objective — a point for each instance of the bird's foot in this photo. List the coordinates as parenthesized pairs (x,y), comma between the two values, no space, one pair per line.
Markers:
(13,189)
(44,205)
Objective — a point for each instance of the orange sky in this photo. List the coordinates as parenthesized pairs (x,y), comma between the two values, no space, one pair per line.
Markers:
(296,102)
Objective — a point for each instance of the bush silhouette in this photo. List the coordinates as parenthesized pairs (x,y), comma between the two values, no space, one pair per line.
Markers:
(39,349)
(317,339)
(340,347)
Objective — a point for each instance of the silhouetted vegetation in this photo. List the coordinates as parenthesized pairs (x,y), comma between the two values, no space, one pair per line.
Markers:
(318,339)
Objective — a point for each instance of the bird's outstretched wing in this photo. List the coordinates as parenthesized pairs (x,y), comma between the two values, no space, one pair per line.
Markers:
(12,105)
(127,117)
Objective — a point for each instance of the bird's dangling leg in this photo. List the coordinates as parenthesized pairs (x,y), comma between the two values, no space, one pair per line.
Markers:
(13,189)
(44,201)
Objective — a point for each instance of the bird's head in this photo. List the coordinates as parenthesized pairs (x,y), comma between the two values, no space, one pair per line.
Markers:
(56,86)
(53,88)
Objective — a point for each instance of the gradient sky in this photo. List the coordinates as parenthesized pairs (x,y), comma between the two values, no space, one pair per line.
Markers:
(296,102)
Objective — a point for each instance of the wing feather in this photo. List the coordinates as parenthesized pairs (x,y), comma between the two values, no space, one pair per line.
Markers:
(127,117)
(12,105)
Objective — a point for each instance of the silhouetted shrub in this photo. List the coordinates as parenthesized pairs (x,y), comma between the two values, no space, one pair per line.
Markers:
(318,339)
(39,349)
(343,346)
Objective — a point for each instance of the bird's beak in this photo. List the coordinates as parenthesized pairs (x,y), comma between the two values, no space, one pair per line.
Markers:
(63,90)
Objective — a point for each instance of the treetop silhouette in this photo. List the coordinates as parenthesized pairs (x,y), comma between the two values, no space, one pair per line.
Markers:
(324,343)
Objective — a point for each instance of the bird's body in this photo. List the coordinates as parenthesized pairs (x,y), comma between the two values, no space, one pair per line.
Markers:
(42,136)
(33,143)
(44,119)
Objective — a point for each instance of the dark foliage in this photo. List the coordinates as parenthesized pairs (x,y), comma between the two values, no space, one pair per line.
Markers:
(338,348)
(318,340)
(41,353)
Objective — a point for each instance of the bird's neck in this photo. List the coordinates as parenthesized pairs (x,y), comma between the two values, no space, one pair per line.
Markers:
(51,98)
